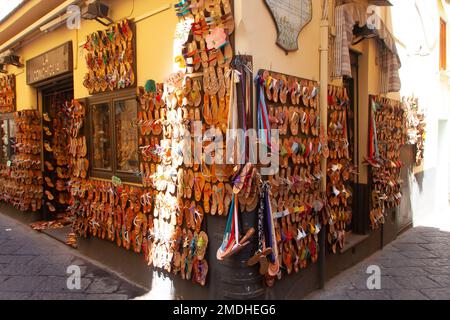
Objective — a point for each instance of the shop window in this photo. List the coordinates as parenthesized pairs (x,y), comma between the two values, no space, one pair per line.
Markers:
(127,140)
(114,137)
(7,137)
(443,46)
(101,137)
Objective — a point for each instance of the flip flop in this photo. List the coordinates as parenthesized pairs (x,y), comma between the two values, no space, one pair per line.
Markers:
(202,245)
(228,55)
(213,81)
(283,90)
(294,120)
(228,197)
(220,193)
(207,113)
(214,205)
(222,86)
(207,193)
(198,218)
(223,114)
(201,268)
(242,177)
(180,212)
(228,18)
(191,182)
(197,97)
(214,110)
(275,90)
(204,54)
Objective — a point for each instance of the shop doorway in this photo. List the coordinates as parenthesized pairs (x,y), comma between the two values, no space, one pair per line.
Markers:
(55,151)
(352,87)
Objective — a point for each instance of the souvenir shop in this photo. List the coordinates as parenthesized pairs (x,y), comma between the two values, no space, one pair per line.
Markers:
(146,172)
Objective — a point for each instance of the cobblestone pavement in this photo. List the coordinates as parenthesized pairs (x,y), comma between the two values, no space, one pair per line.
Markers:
(33,266)
(416,266)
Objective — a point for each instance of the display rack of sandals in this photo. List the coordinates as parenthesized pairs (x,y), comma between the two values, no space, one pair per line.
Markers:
(109,212)
(340,169)
(101,209)
(110,58)
(78,162)
(176,242)
(187,187)
(416,127)
(386,137)
(8,94)
(23,187)
(56,157)
(291,105)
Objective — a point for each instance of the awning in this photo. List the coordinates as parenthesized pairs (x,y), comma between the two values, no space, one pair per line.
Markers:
(349,15)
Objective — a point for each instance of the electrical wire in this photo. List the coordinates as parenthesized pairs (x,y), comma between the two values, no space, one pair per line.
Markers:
(132,10)
(422,23)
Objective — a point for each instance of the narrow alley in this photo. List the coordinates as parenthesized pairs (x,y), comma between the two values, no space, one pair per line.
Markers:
(34,267)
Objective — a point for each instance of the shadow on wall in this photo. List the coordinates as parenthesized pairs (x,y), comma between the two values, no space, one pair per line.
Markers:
(405,213)
(423,193)
(419,179)
(420,190)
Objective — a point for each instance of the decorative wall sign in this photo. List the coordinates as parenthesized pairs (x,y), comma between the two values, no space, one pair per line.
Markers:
(290,16)
(53,63)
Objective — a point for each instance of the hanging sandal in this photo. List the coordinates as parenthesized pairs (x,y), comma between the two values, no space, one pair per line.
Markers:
(199,186)
(207,193)
(214,205)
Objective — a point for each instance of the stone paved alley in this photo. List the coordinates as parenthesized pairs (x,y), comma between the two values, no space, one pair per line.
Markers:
(414,267)
(33,266)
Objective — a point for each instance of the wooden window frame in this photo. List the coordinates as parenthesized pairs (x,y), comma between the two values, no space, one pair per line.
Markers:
(110,98)
(443,45)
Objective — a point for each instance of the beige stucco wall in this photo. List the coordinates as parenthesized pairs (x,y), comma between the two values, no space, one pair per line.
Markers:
(256,35)
(421,76)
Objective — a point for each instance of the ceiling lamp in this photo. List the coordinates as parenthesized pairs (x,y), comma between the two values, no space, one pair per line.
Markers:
(97,11)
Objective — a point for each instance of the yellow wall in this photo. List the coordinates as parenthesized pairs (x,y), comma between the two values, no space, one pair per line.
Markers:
(26,95)
(154,46)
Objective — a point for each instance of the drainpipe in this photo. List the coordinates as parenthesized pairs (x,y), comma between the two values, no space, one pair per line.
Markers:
(324,29)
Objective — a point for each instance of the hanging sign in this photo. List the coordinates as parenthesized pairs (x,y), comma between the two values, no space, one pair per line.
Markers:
(51,64)
(290,16)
